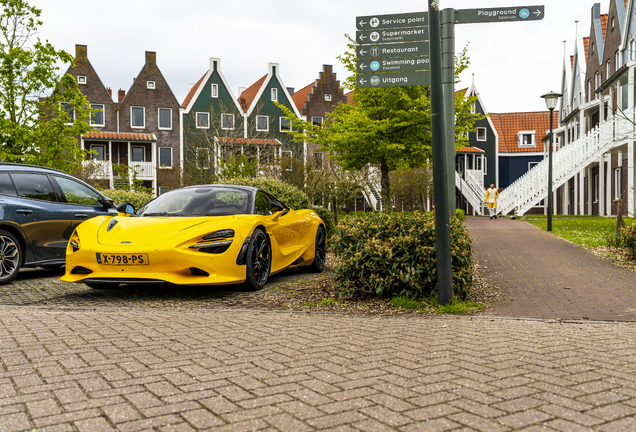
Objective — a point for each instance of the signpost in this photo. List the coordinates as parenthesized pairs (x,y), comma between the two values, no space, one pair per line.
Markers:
(402,50)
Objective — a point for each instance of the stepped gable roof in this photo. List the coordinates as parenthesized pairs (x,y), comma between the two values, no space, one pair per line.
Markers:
(247,97)
(302,96)
(192,92)
(508,126)
(98,135)
(470,150)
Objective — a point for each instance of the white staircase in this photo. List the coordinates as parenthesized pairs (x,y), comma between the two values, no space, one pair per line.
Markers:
(472,190)
(529,189)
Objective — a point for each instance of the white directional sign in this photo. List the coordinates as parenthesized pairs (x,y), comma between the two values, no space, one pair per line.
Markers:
(408,49)
(393,65)
(410,34)
(394,79)
(374,22)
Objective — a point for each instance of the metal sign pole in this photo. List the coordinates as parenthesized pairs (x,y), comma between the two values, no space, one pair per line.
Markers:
(448,77)
(440,165)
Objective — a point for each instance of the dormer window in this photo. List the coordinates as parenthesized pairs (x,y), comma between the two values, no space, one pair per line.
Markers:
(81,79)
(527,139)
(150,85)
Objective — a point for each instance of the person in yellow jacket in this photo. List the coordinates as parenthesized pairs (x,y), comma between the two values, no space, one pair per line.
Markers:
(491,201)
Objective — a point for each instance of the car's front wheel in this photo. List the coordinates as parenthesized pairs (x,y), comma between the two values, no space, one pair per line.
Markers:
(259,260)
(10,257)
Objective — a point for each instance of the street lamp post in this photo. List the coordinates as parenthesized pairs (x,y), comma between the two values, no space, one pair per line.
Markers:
(551,100)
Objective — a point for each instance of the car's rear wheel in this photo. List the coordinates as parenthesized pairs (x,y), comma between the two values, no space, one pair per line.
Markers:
(320,257)
(100,286)
(259,260)
(10,257)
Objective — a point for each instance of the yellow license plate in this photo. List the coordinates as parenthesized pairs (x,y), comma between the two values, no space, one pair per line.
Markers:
(122,259)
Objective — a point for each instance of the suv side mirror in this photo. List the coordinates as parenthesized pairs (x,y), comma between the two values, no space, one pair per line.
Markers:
(108,203)
(126,208)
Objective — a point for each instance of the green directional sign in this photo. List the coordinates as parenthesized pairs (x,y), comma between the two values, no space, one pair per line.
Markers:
(502,14)
(408,49)
(398,79)
(409,34)
(393,65)
(374,22)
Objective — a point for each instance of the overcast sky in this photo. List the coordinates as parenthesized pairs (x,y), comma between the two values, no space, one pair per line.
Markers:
(513,63)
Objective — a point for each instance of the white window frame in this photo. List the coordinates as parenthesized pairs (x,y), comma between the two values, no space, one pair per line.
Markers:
(266,123)
(533,135)
(103,116)
(473,108)
(73,117)
(98,145)
(214,91)
(81,79)
(196,118)
(608,68)
(274,94)
(316,117)
(151,85)
(618,186)
(159,119)
(485,138)
(596,190)
(143,110)
(233,121)
(280,124)
(328,97)
(131,154)
(159,157)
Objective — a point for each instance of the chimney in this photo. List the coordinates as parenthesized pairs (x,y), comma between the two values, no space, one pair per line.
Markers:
(81,53)
(241,90)
(110,92)
(151,58)
(121,94)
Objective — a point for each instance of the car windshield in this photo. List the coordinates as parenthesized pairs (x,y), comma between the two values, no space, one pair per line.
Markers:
(200,201)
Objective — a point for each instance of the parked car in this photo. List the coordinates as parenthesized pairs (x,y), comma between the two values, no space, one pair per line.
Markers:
(197,235)
(39,210)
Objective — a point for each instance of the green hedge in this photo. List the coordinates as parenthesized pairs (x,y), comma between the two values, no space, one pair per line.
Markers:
(394,254)
(288,194)
(628,240)
(138,199)
(461,214)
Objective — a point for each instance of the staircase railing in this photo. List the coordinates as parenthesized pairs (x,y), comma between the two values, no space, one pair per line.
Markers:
(529,189)
(470,191)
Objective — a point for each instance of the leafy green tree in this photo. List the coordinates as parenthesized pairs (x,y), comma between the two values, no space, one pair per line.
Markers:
(385,127)
(34,125)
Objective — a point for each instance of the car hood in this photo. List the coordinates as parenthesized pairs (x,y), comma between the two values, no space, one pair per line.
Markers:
(142,231)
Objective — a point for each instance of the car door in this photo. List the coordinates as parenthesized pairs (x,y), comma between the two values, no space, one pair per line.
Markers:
(283,230)
(43,217)
(82,202)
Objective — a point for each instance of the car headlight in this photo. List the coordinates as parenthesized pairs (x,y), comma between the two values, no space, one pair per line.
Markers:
(216,242)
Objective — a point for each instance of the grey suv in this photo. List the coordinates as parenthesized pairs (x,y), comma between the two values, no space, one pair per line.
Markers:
(39,209)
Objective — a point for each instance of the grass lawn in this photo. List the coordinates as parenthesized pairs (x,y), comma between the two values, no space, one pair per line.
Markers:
(585,231)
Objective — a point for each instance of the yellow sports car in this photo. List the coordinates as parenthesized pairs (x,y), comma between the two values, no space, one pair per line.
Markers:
(198,235)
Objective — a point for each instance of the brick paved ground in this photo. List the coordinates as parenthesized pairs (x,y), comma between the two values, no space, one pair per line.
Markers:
(544,276)
(187,370)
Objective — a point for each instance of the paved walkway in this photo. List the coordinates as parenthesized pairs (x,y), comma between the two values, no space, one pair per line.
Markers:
(134,370)
(544,276)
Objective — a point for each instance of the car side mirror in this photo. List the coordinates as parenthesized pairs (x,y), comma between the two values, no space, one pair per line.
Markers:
(126,208)
(108,203)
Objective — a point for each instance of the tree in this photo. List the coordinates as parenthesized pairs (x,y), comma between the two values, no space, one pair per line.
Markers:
(36,127)
(386,127)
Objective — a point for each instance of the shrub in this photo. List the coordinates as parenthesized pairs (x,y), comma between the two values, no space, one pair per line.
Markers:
(138,199)
(628,237)
(394,254)
(461,214)
(288,194)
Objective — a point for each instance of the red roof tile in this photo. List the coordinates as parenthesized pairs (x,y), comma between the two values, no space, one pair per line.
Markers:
(247,97)
(462,91)
(259,141)
(349,97)
(470,150)
(114,136)
(192,92)
(586,45)
(302,96)
(604,24)
(508,126)
(572,62)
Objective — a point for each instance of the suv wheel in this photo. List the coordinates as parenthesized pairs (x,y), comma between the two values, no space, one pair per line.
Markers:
(10,257)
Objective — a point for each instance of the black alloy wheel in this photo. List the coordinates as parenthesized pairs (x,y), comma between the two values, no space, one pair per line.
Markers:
(10,257)
(318,265)
(259,260)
